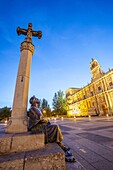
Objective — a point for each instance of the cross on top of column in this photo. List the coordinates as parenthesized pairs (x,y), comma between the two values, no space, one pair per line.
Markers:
(29,32)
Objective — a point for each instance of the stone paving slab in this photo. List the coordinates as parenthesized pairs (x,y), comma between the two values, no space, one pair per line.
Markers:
(83,163)
(99,149)
(89,156)
(94,150)
(84,152)
(103,165)
(74,166)
(94,137)
(98,128)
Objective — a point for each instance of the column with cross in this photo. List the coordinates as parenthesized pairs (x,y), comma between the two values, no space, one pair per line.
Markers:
(18,120)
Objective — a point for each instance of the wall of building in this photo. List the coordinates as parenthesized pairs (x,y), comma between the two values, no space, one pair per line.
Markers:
(94,99)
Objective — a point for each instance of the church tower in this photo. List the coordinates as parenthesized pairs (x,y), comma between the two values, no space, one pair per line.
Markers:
(95,70)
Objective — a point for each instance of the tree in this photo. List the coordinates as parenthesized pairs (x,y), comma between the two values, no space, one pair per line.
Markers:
(59,103)
(5,113)
(45,108)
(48,111)
(44,104)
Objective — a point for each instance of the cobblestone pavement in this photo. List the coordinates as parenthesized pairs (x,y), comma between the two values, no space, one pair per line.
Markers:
(90,140)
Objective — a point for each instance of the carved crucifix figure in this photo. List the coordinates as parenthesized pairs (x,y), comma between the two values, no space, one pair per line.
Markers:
(29,32)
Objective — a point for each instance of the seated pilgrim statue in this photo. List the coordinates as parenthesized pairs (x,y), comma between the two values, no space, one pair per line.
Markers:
(38,124)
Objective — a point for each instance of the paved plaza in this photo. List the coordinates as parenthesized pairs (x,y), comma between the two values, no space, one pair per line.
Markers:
(90,140)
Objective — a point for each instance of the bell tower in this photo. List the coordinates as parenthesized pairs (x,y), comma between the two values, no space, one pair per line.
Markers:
(95,69)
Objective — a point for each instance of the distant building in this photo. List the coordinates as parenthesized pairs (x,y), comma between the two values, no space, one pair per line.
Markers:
(96,98)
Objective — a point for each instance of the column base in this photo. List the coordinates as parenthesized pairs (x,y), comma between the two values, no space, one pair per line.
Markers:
(17,125)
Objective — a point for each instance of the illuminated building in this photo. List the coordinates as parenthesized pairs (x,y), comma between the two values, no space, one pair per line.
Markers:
(96,98)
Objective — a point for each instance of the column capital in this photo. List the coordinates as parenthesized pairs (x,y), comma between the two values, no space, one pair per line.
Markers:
(27,46)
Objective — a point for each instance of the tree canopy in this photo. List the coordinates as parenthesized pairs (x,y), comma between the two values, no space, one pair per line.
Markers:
(44,106)
(5,113)
(59,103)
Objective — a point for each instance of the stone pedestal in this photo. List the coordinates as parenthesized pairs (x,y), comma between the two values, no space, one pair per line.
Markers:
(49,158)
(20,142)
(25,151)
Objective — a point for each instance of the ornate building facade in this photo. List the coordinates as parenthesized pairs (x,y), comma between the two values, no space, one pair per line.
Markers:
(96,98)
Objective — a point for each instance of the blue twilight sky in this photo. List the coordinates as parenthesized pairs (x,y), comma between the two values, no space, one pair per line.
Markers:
(74,31)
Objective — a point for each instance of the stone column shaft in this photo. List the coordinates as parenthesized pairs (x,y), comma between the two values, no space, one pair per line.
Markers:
(18,121)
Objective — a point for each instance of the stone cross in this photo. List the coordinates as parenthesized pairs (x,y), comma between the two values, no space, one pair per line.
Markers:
(18,120)
(29,32)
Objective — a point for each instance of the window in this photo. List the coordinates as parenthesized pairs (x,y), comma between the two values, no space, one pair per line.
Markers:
(92,93)
(99,88)
(111,84)
(84,96)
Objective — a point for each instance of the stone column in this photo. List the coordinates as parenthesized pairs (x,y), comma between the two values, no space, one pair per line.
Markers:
(18,120)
